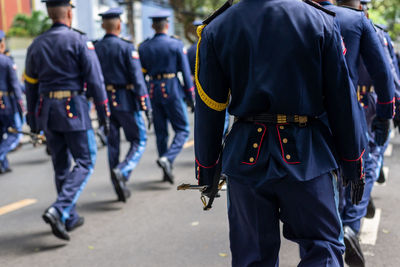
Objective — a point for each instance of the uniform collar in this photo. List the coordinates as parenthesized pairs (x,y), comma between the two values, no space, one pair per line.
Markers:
(58,24)
(110,35)
(160,34)
(325,3)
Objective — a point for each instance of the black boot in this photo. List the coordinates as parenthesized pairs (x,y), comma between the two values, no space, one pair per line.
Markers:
(118,181)
(370,209)
(382,177)
(52,217)
(353,255)
(164,163)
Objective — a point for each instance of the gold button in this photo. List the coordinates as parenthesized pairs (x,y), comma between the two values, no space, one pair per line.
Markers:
(70,115)
(114,97)
(115,104)
(198,168)
(259,130)
(251,159)
(165,95)
(288,157)
(281,127)
(68,107)
(255,145)
(285,140)
(108,114)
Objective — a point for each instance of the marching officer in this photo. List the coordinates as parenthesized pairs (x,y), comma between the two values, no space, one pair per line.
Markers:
(127,93)
(58,64)
(367,97)
(162,57)
(11,106)
(360,39)
(289,136)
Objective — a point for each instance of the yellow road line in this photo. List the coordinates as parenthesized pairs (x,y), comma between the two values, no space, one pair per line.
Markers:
(16,206)
(189,144)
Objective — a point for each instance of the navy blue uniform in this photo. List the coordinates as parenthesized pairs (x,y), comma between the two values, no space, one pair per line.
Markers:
(58,64)
(191,54)
(368,98)
(162,57)
(128,95)
(278,170)
(360,39)
(10,109)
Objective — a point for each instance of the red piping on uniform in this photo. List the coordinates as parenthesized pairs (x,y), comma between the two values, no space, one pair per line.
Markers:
(283,152)
(212,166)
(259,147)
(191,89)
(386,103)
(144,96)
(353,160)
(103,102)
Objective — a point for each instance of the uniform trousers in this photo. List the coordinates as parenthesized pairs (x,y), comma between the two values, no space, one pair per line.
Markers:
(9,141)
(71,180)
(308,210)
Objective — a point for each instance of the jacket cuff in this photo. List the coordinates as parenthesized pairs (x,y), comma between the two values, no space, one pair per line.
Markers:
(205,174)
(385,110)
(353,169)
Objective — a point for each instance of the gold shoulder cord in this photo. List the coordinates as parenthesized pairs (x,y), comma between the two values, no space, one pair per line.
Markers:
(203,96)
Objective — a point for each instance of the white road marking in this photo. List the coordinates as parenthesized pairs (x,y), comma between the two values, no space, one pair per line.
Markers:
(16,206)
(392,134)
(386,172)
(389,151)
(369,230)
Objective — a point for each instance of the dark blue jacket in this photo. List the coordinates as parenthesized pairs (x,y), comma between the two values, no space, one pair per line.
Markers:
(165,54)
(360,38)
(276,57)
(191,54)
(62,59)
(10,89)
(121,67)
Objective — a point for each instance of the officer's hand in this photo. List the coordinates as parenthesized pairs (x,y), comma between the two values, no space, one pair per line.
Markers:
(190,104)
(381,129)
(149,117)
(357,191)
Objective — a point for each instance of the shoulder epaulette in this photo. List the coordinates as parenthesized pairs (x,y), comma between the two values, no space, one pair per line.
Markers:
(78,31)
(352,8)
(382,27)
(175,37)
(318,6)
(218,12)
(126,40)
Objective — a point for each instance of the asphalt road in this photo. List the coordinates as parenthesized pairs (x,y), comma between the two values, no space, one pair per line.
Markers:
(157,227)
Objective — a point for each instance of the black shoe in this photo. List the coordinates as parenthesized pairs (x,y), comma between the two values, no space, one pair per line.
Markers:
(78,223)
(353,255)
(370,209)
(164,163)
(4,171)
(382,177)
(52,217)
(118,181)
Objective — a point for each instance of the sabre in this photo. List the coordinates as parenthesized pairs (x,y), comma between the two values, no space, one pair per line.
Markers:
(36,138)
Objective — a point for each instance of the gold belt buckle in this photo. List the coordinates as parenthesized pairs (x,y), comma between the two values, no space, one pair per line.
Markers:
(282,118)
(110,87)
(302,120)
(130,87)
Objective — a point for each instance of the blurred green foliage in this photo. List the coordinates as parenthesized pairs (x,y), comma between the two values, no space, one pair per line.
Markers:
(187,11)
(29,26)
(387,12)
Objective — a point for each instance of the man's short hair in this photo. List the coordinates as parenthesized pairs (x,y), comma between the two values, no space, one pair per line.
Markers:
(57,12)
(111,24)
(160,25)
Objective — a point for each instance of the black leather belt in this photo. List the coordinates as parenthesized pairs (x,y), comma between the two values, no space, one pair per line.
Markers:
(301,121)
(163,76)
(62,94)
